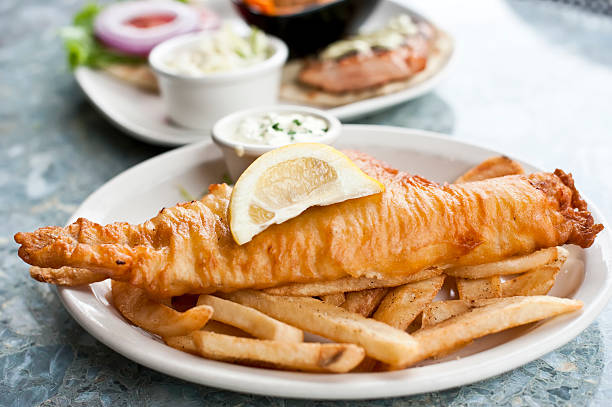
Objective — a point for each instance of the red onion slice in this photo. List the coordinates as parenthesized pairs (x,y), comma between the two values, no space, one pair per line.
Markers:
(209,19)
(112,26)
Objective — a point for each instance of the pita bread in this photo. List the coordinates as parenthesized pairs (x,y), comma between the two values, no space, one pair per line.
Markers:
(295,92)
(139,75)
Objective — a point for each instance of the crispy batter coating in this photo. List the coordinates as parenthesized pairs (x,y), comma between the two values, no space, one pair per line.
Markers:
(67,276)
(414,224)
(493,167)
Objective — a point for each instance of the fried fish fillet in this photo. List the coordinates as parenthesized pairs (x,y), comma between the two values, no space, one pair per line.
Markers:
(414,224)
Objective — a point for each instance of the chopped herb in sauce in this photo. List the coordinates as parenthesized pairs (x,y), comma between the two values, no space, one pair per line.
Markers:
(227,179)
(278,129)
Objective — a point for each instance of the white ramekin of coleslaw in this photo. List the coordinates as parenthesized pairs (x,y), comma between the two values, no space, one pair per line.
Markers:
(205,76)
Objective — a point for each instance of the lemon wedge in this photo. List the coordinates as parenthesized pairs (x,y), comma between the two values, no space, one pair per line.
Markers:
(284,182)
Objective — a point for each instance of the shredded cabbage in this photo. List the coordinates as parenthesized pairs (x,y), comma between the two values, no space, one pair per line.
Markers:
(221,52)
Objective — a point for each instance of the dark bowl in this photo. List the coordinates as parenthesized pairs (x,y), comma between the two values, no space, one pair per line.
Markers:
(310,30)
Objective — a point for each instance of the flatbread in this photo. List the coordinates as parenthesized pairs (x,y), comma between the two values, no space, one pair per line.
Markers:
(294,92)
(139,75)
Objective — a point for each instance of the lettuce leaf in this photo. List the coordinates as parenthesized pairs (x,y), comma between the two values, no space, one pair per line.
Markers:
(82,47)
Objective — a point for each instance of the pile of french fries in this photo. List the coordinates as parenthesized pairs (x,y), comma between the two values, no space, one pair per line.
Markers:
(372,324)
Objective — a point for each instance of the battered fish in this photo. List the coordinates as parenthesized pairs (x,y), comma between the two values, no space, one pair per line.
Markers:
(414,224)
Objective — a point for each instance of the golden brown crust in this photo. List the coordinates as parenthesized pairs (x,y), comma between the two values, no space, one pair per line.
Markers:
(493,167)
(579,221)
(66,276)
(414,224)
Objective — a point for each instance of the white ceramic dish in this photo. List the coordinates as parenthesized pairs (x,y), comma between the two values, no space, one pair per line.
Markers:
(238,155)
(198,102)
(139,192)
(142,114)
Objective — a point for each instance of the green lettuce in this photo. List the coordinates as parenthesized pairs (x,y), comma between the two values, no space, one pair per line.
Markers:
(82,47)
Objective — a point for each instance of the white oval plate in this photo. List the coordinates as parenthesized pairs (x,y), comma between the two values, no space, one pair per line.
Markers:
(142,115)
(140,192)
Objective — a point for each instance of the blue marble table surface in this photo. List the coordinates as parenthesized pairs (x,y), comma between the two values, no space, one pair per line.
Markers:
(533,79)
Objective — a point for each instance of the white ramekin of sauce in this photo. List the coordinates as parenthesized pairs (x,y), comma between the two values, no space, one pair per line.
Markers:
(245,135)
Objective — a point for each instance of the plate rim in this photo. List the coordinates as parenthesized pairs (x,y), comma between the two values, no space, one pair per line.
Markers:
(230,377)
(345,112)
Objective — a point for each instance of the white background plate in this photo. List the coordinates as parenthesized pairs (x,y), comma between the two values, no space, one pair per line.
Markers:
(140,192)
(142,114)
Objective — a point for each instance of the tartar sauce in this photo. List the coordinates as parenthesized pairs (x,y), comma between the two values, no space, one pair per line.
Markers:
(223,51)
(391,36)
(276,129)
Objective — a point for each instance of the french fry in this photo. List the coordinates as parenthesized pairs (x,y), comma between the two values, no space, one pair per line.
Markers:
(440,311)
(334,299)
(404,303)
(512,265)
(502,314)
(379,340)
(348,284)
(183,343)
(67,276)
(492,168)
(535,282)
(221,328)
(154,317)
(489,287)
(364,302)
(250,320)
(310,357)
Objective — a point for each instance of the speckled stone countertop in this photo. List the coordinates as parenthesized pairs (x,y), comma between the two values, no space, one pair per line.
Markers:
(530,78)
